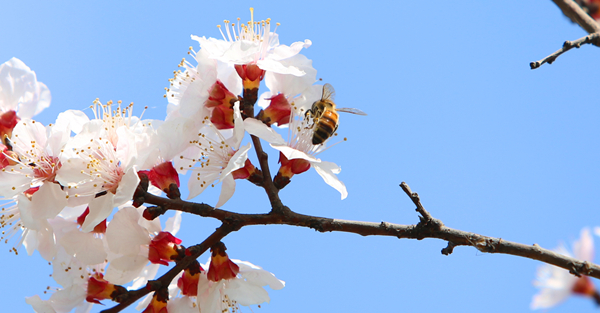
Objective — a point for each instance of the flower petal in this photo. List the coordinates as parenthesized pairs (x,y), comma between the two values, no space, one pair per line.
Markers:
(246,293)
(584,247)
(262,131)
(227,190)
(237,161)
(327,170)
(291,153)
(124,235)
(124,269)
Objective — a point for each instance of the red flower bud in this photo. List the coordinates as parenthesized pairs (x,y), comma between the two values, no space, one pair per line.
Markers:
(7,157)
(163,175)
(8,121)
(163,248)
(188,282)
(251,75)
(221,101)
(159,302)
(221,267)
(584,287)
(278,112)
(99,289)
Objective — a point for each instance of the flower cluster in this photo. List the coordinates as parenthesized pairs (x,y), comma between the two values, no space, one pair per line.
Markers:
(69,187)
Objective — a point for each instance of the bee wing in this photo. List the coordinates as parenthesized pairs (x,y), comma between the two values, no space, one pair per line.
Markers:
(351,110)
(328,92)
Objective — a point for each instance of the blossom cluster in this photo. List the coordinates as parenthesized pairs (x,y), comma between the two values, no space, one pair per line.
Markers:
(68,186)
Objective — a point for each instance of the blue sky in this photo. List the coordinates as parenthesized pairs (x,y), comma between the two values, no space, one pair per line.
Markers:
(491,146)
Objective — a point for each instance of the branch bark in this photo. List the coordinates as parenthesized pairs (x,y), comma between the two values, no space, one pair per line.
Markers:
(428,227)
(574,12)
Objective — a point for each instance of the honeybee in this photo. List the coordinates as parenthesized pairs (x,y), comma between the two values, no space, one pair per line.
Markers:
(325,116)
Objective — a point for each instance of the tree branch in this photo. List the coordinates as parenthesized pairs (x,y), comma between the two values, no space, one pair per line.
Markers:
(428,227)
(165,280)
(568,45)
(573,11)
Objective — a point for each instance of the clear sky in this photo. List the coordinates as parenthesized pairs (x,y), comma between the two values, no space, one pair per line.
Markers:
(491,146)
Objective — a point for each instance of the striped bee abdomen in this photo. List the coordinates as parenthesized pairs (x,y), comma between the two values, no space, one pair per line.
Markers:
(325,127)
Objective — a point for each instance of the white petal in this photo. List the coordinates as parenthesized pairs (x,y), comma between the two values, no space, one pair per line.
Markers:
(584,247)
(291,153)
(126,147)
(149,272)
(196,186)
(173,223)
(85,246)
(276,67)
(100,209)
(71,121)
(47,246)
(124,269)
(64,300)
(258,276)
(45,204)
(291,85)
(67,270)
(209,295)
(238,128)
(127,187)
(20,89)
(182,305)
(237,161)
(175,135)
(262,131)
(71,171)
(39,305)
(14,181)
(124,234)
(327,170)
(246,293)
(227,190)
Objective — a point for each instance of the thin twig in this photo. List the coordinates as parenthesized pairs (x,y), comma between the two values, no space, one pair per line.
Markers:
(568,45)
(573,11)
(416,200)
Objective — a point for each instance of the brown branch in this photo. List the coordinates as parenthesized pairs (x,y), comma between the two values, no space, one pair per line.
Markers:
(428,227)
(574,12)
(417,201)
(249,99)
(165,280)
(272,191)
